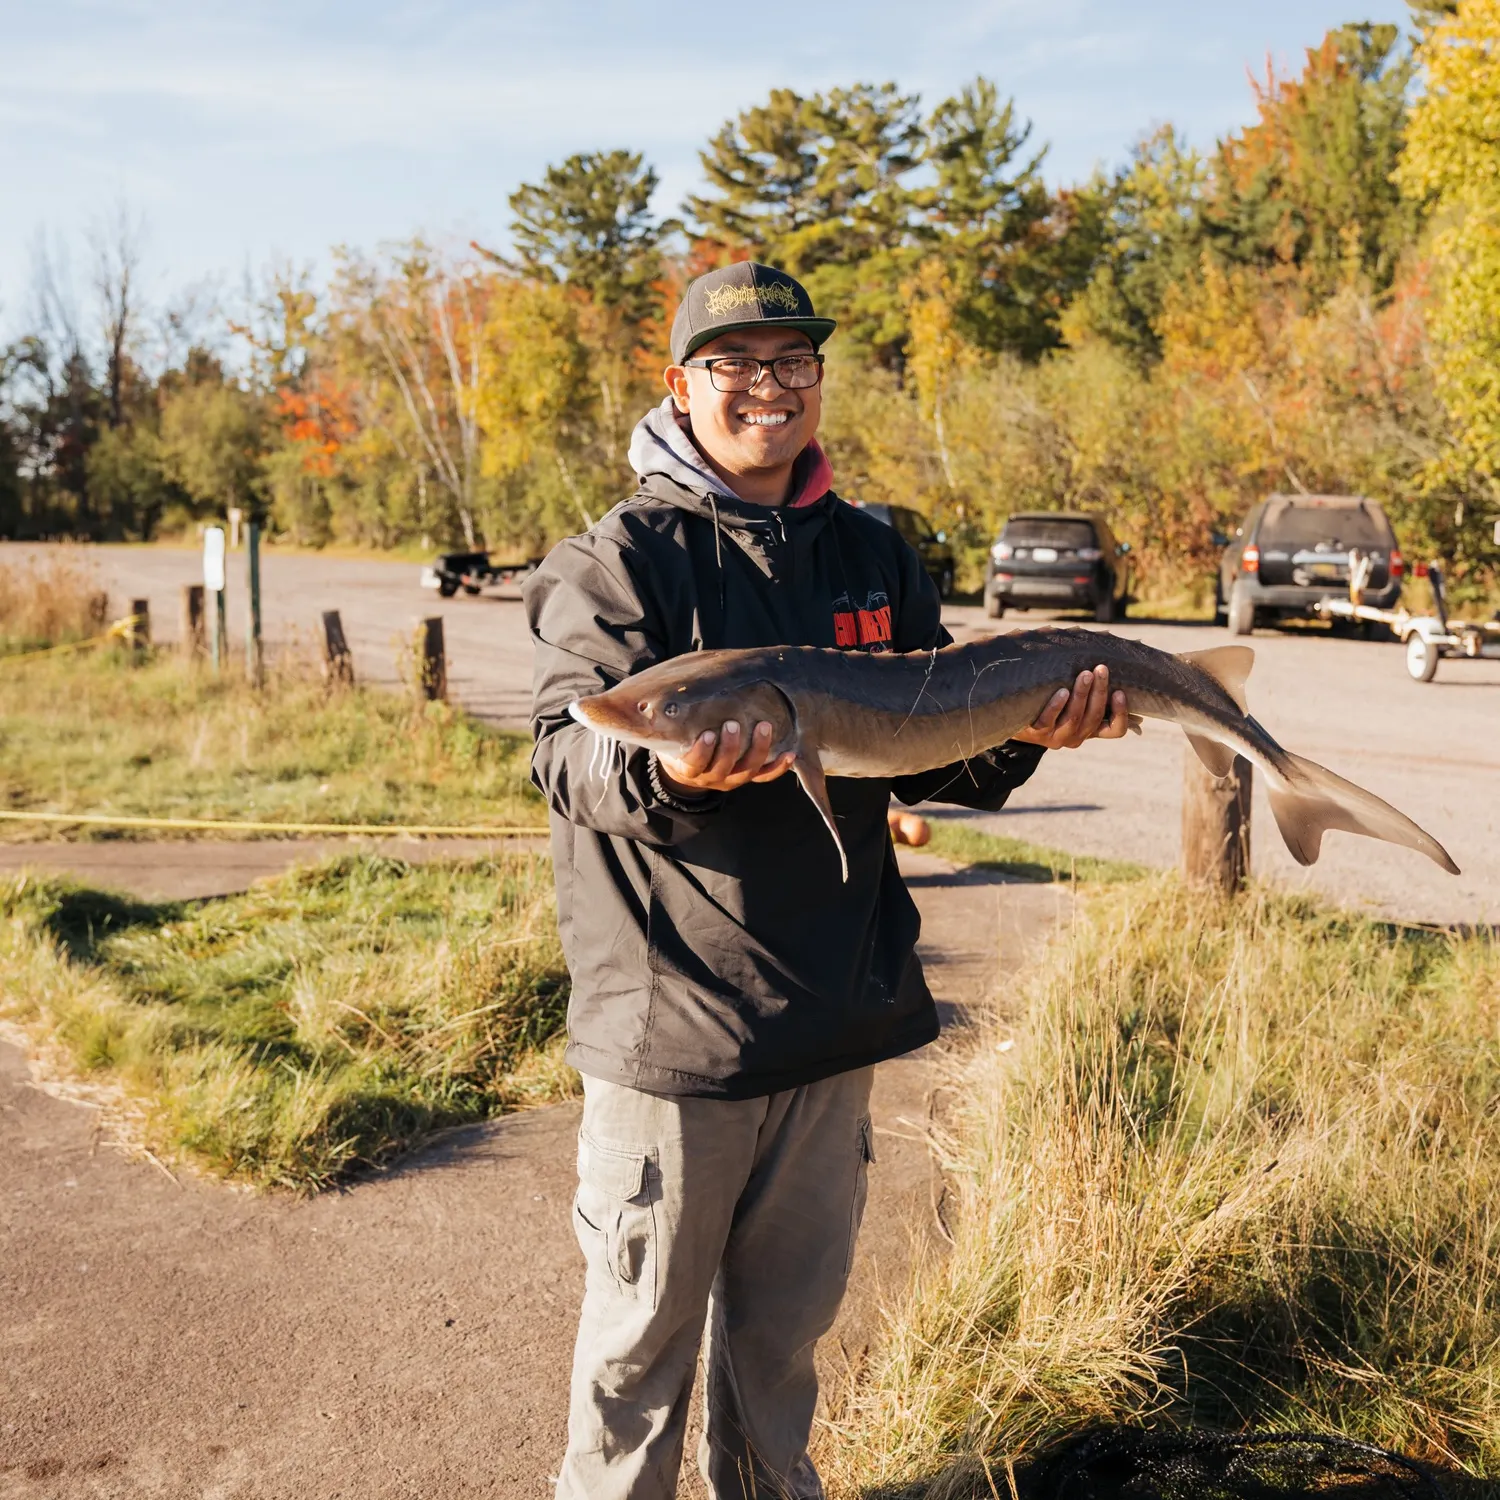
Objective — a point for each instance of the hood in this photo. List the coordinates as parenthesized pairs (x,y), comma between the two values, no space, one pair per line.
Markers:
(662,443)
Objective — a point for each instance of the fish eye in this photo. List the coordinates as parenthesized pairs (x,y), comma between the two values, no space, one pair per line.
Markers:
(670,710)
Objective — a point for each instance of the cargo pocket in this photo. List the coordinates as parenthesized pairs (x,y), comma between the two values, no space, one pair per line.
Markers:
(615,1209)
(861,1187)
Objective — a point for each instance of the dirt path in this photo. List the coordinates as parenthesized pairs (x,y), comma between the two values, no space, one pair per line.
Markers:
(408,1337)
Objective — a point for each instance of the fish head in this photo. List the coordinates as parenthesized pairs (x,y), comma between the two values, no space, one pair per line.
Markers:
(667,707)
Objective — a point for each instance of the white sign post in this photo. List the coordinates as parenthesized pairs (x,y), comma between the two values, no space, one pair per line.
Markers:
(213,583)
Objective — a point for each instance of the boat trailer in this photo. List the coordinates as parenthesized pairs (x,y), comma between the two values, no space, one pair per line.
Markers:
(1427,638)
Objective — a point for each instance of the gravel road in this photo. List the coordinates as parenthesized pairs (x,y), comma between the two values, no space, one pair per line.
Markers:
(1433,749)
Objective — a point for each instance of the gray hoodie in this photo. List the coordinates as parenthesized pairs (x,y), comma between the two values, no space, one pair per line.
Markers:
(713,948)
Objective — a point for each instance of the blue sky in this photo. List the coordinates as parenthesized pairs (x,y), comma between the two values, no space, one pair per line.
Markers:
(271,129)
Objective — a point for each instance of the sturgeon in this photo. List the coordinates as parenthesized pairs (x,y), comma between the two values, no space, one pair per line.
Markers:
(846,713)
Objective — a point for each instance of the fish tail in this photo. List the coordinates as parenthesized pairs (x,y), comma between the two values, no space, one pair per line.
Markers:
(1308,799)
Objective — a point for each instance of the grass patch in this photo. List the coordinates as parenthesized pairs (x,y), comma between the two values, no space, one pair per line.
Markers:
(1238,1169)
(92,733)
(49,599)
(966,845)
(322,1022)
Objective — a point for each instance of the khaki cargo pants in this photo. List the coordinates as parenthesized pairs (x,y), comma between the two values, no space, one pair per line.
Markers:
(727,1220)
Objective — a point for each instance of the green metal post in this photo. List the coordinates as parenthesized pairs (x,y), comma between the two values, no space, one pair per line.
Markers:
(254,662)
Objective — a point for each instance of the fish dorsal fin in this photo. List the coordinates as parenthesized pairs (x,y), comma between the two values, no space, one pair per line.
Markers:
(1229,666)
(808,769)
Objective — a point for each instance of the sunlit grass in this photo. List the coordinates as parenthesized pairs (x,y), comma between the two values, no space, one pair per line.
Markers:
(966,845)
(95,733)
(325,1020)
(1236,1165)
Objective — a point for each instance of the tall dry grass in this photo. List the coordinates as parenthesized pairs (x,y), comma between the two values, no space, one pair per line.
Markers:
(1240,1168)
(49,599)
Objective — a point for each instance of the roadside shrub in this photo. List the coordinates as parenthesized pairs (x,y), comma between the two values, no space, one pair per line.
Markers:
(1238,1168)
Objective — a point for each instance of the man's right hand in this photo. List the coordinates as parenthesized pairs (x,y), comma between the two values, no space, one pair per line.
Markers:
(721,762)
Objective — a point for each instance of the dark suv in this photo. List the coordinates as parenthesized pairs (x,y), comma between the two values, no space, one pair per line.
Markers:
(1056,559)
(1293,550)
(931,546)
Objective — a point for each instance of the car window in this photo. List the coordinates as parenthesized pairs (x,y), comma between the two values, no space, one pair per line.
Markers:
(1294,525)
(1049,533)
(881,513)
(912,526)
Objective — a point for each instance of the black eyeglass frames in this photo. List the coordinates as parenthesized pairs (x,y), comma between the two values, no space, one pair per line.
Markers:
(735,372)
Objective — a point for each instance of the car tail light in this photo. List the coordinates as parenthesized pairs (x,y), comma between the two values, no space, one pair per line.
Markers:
(1250,560)
(1088,554)
(1001,551)
(1083,578)
(1398,563)
(1004,577)
(1420,570)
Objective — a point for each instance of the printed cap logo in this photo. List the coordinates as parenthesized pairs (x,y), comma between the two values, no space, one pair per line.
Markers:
(728,299)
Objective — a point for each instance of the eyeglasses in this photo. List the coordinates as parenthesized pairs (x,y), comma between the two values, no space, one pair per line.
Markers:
(792,372)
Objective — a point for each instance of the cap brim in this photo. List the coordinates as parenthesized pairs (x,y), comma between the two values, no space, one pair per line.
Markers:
(817,329)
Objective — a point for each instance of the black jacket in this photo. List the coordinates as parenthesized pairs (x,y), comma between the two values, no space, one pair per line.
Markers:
(712,947)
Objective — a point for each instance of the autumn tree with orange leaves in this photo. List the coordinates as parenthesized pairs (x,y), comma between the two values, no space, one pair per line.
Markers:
(1306,306)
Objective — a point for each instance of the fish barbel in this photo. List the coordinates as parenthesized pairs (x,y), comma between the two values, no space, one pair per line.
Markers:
(845,713)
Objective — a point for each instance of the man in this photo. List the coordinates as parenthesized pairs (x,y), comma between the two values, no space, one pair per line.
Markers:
(730,994)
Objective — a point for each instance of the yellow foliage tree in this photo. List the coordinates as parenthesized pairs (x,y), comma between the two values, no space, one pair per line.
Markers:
(537,401)
(1453,157)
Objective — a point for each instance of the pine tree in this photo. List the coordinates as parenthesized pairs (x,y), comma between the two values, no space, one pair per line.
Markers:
(589,223)
(1015,253)
(813,181)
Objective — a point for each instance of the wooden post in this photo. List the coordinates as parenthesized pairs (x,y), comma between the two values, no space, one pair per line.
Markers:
(432,663)
(1215,824)
(140,625)
(338,664)
(255,664)
(98,610)
(194,638)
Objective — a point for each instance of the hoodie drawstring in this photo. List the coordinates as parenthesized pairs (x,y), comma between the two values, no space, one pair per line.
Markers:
(713,505)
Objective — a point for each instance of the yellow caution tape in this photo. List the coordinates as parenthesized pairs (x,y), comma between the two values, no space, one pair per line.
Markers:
(380,830)
(118,631)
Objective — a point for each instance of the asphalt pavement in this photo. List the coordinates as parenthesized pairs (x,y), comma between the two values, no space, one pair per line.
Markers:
(1432,749)
(407,1337)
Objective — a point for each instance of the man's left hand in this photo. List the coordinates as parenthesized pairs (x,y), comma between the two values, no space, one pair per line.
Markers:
(1089,712)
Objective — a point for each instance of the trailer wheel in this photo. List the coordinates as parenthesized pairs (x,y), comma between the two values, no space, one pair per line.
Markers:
(1421,657)
(447,588)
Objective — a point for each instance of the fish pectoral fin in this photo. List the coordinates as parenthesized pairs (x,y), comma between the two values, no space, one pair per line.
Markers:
(1229,666)
(1218,758)
(808,769)
(1133,723)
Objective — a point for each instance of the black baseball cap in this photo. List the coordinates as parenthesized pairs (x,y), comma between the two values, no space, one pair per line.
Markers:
(744,295)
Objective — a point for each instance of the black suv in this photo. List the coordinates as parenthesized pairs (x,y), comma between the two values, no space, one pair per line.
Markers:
(931,546)
(1293,550)
(1056,559)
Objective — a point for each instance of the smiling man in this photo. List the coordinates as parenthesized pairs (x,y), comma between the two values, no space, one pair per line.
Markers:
(731,994)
